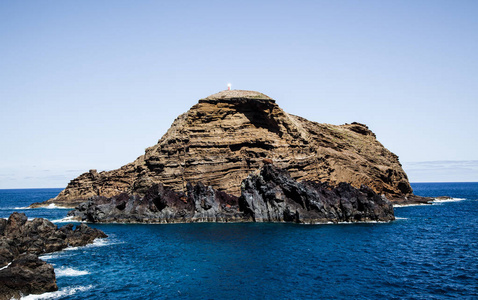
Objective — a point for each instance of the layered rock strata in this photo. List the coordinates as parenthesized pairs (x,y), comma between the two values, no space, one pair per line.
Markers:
(21,241)
(225,136)
(269,195)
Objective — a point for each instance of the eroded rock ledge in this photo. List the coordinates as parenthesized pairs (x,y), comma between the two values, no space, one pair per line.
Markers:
(268,195)
(21,241)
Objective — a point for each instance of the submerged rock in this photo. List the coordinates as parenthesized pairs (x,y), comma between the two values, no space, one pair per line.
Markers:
(270,195)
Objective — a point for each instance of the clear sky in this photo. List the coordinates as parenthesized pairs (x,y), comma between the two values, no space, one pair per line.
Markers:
(91,84)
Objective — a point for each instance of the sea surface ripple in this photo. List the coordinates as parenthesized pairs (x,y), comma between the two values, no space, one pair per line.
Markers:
(429,252)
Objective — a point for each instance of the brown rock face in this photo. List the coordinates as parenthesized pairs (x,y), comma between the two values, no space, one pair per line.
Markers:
(226,136)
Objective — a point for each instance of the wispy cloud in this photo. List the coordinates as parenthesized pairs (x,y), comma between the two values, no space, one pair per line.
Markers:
(442,171)
(76,171)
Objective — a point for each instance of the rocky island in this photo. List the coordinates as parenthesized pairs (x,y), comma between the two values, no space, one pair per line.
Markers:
(226,137)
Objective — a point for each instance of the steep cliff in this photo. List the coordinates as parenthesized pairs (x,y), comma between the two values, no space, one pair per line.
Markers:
(226,136)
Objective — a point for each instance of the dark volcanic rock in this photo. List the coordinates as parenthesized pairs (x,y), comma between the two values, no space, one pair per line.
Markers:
(162,205)
(27,274)
(40,236)
(20,243)
(270,195)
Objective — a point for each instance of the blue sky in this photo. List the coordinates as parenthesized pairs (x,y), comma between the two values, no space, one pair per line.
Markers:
(91,84)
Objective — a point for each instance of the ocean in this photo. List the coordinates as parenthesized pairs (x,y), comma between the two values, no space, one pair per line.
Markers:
(429,252)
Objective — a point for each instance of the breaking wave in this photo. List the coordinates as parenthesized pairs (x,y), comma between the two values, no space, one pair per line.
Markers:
(67,291)
(49,206)
(67,220)
(433,202)
(447,200)
(70,272)
(410,205)
(63,253)
(50,256)
(54,206)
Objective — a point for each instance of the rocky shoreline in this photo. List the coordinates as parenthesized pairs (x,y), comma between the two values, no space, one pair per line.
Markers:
(21,241)
(268,195)
(412,200)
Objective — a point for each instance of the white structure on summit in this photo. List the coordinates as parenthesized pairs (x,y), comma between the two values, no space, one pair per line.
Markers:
(228,86)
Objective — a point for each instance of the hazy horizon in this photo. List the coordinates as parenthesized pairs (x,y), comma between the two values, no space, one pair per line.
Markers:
(417,172)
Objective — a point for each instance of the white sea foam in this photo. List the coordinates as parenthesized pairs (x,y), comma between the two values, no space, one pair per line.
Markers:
(447,200)
(49,256)
(67,291)
(69,248)
(409,205)
(102,243)
(63,253)
(67,220)
(69,272)
(96,243)
(49,206)
(54,206)
(344,223)
(29,219)
(399,218)
(364,222)
(433,202)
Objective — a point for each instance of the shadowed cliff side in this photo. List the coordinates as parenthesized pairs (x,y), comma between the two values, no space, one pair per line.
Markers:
(267,195)
(225,136)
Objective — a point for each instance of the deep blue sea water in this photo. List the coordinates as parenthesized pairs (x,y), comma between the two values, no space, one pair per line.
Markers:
(430,252)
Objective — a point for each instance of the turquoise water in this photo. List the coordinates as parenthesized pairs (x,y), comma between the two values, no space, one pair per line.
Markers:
(429,252)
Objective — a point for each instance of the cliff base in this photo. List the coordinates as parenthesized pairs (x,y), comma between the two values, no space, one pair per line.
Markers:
(269,195)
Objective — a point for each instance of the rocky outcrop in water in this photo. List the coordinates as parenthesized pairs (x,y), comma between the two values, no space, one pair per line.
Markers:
(21,241)
(269,195)
(27,274)
(225,136)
